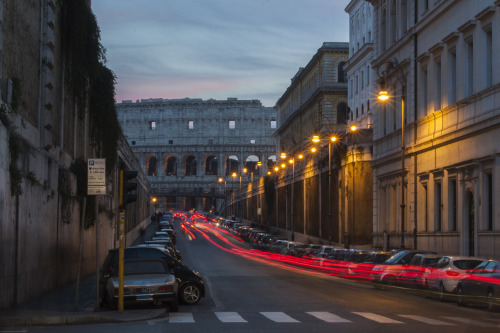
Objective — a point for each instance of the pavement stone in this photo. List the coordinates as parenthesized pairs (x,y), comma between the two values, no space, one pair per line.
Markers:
(57,306)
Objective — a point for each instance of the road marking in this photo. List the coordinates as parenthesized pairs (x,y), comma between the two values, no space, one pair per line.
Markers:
(230,317)
(180,317)
(328,317)
(279,317)
(378,318)
(470,321)
(427,320)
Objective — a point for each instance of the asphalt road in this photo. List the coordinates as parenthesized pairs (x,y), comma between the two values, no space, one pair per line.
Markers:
(245,295)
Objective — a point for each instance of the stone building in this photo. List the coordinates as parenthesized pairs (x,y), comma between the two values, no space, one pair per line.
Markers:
(44,142)
(437,187)
(186,145)
(312,187)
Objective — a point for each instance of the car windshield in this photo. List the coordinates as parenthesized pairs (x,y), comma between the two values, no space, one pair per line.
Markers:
(466,264)
(395,258)
(143,267)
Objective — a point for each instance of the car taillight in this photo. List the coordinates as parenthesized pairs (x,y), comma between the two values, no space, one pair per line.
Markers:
(451,273)
(165,289)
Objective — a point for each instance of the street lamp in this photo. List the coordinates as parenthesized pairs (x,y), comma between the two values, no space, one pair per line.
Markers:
(225,194)
(353,129)
(383,96)
(233,175)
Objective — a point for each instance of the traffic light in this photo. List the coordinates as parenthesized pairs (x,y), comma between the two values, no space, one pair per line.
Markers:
(126,186)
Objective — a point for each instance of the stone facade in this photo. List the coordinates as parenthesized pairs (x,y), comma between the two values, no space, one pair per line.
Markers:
(443,56)
(186,145)
(313,191)
(40,138)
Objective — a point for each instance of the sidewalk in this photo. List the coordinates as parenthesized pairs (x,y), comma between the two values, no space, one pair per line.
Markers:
(57,306)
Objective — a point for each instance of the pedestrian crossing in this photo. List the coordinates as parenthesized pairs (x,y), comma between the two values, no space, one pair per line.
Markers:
(325,317)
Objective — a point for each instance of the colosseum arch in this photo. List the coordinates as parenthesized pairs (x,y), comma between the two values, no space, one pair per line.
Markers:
(232,164)
(151,166)
(251,164)
(211,165)
(171,166)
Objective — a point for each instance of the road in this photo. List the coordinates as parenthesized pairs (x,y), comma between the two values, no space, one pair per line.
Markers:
(247,295)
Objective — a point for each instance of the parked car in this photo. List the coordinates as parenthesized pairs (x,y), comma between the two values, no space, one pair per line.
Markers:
(145,281)
(444,276)
(389,271)
(362,270)
(481,285)
(190,282)
(414,274)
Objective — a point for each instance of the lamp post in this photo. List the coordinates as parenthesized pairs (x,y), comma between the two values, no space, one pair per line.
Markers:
(225,194)
(353,129)
(383,96)
(233,175)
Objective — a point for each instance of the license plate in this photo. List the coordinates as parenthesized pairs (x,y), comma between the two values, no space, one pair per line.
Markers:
(147,290)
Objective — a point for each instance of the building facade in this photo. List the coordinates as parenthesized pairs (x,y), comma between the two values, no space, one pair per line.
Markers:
(190,148)
(45,139)
(435,158)
(314,185)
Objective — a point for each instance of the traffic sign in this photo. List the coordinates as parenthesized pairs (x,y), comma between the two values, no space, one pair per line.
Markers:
(96,176)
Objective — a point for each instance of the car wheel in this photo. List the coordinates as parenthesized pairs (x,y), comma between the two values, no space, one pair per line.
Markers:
(442,293)
(460,296)
(491,301)
(190,294)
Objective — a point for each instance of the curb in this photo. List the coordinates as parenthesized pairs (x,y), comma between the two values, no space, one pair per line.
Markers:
(61,320)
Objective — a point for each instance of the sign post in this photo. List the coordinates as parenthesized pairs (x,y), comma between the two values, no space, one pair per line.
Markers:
(96,185)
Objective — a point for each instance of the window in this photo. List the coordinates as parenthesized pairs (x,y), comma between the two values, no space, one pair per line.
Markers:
(341,74)
(438,206)
(452,77)
(273,123)
(424,91)
(191,124)
(252,142)
(232,124)
(152,125)
(489,202)
(469,68)
(452,204)
(362,80)
(488,69)
(437,91)
(170,142)
(133,143)
(367,76)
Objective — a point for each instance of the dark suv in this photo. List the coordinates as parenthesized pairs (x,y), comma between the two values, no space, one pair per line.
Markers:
(191,284)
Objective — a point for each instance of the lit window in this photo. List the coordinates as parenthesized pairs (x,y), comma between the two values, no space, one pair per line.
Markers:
(252,142)
(191,124)
(152,125)
(273,123)
(232,124)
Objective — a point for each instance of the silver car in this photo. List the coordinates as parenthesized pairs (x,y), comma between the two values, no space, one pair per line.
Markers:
(145,281)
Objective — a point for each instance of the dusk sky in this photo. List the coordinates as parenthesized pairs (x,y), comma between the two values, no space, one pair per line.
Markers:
(248,49)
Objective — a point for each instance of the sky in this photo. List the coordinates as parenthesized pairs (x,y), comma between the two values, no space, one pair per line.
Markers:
(245,49)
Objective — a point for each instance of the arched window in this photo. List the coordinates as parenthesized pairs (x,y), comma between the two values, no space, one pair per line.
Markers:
(357,114)
(171,166)
(362,109)
(368,106)
(341,114)
(341,74)
(231,165)
(211,165)
(251,164)
(190,166)
(151,163)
